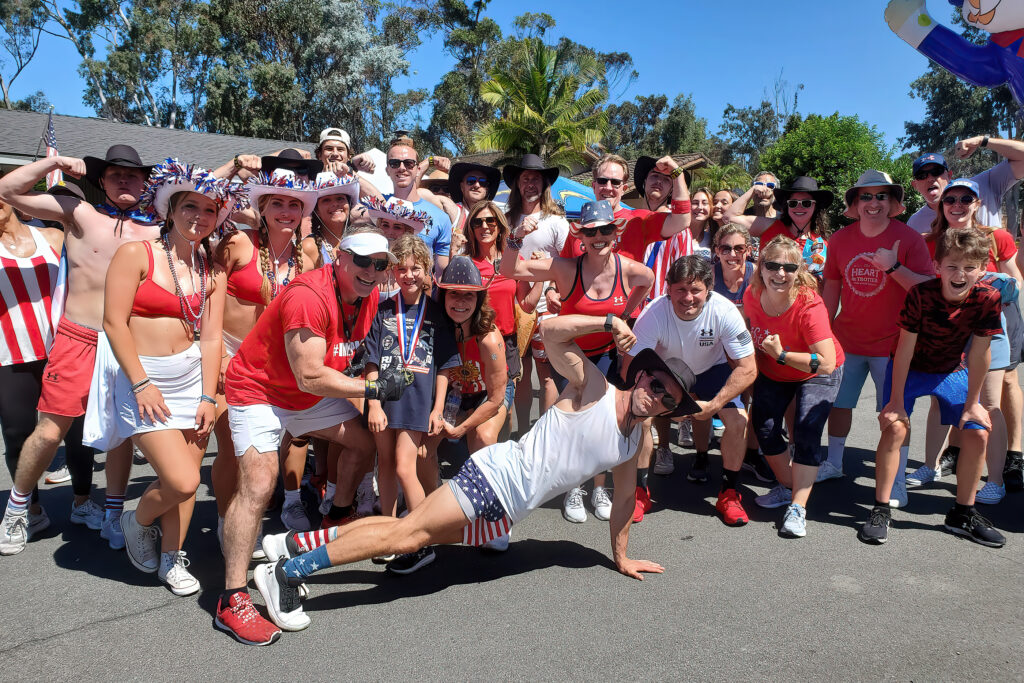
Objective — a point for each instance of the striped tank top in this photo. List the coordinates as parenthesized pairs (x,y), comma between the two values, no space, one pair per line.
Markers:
(26,288)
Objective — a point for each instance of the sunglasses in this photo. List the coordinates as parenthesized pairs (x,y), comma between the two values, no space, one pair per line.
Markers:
(773,266)
(667,400)
(614,182)
(360,261)
(491,221)
(965,199)
(805,203)
(880,196)
(933,172)
(408,163)
(606,229)
(475,180)
(738,249)
(770,186)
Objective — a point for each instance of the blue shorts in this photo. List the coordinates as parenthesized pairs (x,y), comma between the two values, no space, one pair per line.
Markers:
(855,371)
(950,391)
(711,381)
(471,402)
(487,517)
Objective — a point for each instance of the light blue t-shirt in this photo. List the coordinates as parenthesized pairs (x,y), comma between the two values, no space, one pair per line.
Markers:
(438,233)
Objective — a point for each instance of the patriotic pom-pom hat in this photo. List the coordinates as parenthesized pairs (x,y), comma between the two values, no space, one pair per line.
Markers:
(282,182)
(172,176)
(328,183)
(395,209)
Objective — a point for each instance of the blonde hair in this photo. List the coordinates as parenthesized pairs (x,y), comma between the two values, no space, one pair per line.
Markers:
(611,159)
(263,233)
(805,284)
(731,229)
(411,246)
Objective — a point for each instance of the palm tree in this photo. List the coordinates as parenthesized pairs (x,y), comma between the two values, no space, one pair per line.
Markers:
(717,178)
(547,105)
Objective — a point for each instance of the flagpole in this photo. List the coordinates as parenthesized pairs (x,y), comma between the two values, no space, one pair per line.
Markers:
(42,138)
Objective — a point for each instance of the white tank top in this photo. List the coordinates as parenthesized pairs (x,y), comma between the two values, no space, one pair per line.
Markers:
(561,451)
(26,288)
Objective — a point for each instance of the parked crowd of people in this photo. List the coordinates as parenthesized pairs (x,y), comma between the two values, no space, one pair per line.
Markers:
(337,337)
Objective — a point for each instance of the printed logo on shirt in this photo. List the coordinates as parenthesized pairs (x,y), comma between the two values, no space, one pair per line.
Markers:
(706,337)
(743,338)
(862,277)
(346,349)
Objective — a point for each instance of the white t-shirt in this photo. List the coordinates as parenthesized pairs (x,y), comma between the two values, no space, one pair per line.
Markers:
(701,343)
(993,183)
(549,236)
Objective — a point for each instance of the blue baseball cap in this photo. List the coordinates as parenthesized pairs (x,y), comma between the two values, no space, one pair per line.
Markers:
(964,182)
(930,158)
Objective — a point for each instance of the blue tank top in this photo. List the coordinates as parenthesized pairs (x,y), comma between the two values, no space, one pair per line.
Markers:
(737,296)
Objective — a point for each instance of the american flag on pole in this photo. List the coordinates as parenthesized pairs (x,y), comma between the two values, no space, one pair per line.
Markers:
(54,177)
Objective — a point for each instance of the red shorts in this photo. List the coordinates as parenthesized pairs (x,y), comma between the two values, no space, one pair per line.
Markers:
(68,372)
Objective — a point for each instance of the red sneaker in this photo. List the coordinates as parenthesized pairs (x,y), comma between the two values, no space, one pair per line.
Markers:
(241,620)
(318,485)
(643,504)
(328,522)
(730,504)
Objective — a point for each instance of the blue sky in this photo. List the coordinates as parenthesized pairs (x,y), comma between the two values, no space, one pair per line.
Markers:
(720,51)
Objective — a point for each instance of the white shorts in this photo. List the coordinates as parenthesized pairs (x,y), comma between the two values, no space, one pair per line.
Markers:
(262,426)
(231,344)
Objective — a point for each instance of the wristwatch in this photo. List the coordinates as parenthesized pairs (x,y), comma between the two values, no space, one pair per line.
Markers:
(676,172)
(815,363)
(781,360)
(608,322)
(984,141)
(896,266)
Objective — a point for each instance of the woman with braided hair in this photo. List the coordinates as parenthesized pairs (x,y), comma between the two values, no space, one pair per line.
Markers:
(258,264)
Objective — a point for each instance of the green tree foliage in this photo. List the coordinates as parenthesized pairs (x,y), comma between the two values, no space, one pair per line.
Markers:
(836,150)
(725,177)
(648,125)
(21,27)
(546,104)
(37,102)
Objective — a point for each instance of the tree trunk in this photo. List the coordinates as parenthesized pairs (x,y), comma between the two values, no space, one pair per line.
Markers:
(7,99)
(54,13)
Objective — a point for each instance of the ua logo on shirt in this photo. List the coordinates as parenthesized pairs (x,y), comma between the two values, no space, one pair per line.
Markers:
(706,337)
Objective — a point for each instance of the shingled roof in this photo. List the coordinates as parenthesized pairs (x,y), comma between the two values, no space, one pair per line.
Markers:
(77,136)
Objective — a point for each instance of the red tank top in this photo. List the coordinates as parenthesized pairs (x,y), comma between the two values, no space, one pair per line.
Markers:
(153,301)
(245,283)
(469,377)
(578,302)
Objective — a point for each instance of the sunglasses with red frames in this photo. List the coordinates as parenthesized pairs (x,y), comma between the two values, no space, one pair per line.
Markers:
(478,222)
(408,163)
(606,229)
(965,199)
(614,182)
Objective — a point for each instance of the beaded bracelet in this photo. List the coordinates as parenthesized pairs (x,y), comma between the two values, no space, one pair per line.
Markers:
(513,243)
(140,385)
(208,399)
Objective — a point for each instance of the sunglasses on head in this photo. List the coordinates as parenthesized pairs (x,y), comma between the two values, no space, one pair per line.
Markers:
(805,203)
(963,199)
(606,229)
(770,186)
(477,222)
(773,266)
(360,261)
(880,196)
(614,182)
(667,399)
(475,180)
(726,249)
(932,172)
(408,163)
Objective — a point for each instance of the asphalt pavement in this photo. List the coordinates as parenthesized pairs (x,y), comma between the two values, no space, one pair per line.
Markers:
(733,603)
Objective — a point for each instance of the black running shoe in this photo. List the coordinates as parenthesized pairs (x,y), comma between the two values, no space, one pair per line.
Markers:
(699,469)
(1013,472)
(947,462)
(755,463)
(975,527)
(876,529)
(411,562)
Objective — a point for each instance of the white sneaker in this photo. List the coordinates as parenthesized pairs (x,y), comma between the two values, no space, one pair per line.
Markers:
(58,476)
(293,516)
(140,543)
(14,535)
(572,507)
(88,514)
(898,495)
(284,603)
(275,546)
(663,461)
(365,496)
(499,544)
(602,503)
(174,572)
(111,531)
(776,498)
(826,471)
(685,436)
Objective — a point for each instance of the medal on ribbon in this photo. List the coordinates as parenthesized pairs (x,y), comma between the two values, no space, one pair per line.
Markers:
(407,340)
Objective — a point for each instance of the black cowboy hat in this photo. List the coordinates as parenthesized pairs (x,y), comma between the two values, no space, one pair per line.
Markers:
(529,162)
(823,198)
(293,160)
(117,155)
(459,171)
(649,361)
(644,166)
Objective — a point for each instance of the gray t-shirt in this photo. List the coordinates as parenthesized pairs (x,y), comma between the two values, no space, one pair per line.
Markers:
(993,183)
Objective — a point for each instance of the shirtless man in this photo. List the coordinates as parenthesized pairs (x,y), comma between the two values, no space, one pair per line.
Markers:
(93,234)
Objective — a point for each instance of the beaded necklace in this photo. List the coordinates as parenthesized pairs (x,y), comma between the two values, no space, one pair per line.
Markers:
(275,287)
(191,316)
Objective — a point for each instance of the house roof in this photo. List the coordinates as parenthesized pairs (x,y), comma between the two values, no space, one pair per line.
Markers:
(20,133)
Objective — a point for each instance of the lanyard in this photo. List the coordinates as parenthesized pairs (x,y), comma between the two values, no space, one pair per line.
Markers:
(406,341)
(341,307)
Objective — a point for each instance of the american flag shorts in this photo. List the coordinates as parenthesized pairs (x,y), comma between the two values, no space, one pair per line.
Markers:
(488,520)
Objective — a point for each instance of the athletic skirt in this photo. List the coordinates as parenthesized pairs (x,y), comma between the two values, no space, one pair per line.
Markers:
(179,378)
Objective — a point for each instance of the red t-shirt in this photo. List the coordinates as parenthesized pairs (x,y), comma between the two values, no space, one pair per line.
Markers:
(943,328)
(501,295)
(1006,249)
(870,300)
(643,229)
(260,373)
(803,324)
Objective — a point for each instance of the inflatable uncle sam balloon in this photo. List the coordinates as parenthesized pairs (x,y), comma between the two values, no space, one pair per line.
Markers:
(1000,60)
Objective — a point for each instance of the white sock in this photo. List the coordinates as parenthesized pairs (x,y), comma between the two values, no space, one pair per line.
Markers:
(836,447)
(901,473)
(329,494)
(291,496)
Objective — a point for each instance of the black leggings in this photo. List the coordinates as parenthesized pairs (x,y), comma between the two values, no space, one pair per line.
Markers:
(20,386)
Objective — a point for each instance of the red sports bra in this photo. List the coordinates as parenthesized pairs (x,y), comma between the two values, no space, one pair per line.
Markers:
(246,282)
(578,302)
(153,301)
